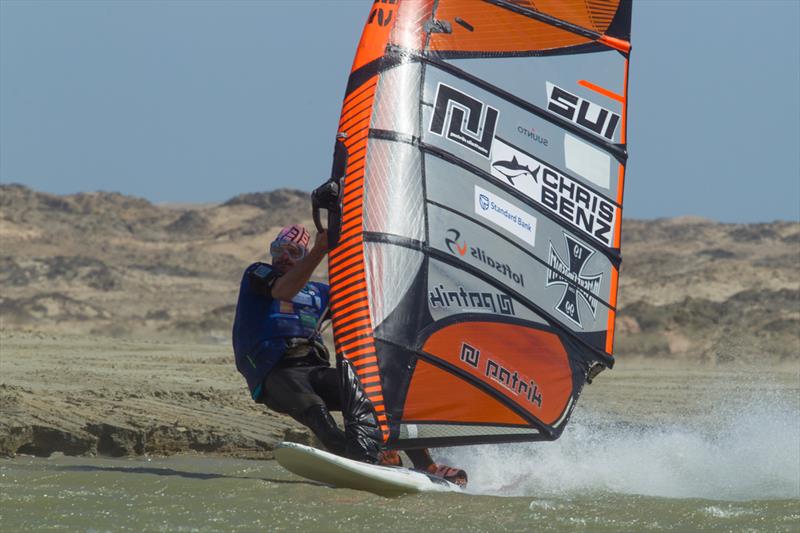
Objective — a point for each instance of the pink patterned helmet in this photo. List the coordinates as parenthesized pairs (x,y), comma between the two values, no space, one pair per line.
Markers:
(292,240)
(294,233)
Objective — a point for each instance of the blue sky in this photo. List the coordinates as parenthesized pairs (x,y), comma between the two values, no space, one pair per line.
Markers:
(197,101)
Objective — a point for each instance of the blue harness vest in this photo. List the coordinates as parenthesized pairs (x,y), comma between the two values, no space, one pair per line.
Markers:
(264,326)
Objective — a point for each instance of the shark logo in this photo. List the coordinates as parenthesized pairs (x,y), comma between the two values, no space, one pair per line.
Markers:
(569,274)
(560,194)
(513,169)
(453,245)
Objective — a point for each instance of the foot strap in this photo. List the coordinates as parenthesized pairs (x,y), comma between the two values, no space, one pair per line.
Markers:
(448,473)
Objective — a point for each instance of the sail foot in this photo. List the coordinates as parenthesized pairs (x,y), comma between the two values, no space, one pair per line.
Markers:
(362,432)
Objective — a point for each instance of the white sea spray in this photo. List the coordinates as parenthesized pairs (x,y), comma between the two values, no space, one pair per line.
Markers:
(745,448)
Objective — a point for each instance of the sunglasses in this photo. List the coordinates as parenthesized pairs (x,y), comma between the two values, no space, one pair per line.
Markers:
(294,251)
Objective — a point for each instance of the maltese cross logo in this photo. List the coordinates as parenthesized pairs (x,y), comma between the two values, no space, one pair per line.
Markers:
(570,275)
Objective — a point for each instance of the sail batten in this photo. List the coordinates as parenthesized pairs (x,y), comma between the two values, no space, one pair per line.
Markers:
(445,258)
(448,67)
(475,274)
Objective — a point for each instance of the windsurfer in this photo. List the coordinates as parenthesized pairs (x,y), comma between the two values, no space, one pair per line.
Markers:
(280,352)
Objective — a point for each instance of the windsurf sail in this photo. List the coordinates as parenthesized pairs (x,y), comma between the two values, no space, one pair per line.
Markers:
(475,209)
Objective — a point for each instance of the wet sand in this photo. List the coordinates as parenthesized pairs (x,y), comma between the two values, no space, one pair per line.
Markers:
(95,395)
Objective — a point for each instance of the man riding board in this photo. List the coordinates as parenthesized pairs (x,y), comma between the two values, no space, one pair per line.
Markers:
(279,349)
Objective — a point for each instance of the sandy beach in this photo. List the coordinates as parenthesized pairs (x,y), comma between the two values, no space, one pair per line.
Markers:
(95,395)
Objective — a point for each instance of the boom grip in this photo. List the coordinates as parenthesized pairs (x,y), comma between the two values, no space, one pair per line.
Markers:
(329,195)
(326,196)
(315,207)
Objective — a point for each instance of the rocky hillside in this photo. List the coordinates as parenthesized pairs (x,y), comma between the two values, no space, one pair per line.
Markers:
(697,288)
(111,264)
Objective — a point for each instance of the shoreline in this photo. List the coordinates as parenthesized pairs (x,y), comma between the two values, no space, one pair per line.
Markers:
(89,395)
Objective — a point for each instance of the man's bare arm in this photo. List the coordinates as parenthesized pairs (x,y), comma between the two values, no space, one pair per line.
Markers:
(288,285)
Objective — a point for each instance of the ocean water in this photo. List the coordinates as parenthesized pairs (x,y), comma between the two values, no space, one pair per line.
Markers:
(725,459)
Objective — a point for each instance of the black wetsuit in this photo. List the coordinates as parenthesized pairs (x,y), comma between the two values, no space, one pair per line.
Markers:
(286,365)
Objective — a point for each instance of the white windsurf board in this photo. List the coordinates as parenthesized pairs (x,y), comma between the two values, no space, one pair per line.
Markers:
(330,469)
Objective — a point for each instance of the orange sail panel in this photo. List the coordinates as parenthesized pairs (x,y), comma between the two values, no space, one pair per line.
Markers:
(462,403)
(505,358)
(475,271)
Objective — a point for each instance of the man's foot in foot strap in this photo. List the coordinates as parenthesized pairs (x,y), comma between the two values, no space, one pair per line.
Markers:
(389,458)
(448,473)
